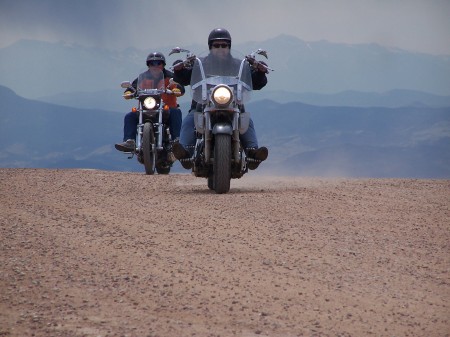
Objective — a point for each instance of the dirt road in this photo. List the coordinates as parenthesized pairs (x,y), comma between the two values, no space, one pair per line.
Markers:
(97,253)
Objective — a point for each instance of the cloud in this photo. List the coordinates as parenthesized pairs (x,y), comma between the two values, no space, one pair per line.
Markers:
(417,25)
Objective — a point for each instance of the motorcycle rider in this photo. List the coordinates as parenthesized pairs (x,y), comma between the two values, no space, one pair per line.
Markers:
(219,42)
(156,65)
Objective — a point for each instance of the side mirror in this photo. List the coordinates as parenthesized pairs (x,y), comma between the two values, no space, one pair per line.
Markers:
(125,84)
(177,50)
(262,52)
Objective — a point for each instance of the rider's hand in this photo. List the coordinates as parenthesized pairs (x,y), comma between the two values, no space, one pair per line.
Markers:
(262,67)
(178,65)
(176,92)
(128,94)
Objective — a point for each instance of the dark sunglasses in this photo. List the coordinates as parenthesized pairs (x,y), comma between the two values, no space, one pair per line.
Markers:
(220,45)
(155,63)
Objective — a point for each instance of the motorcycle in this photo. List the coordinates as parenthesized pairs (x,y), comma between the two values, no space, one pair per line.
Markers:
(220,92)
(153,141)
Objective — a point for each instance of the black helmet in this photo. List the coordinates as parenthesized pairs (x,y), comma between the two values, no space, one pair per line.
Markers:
(156,56)
(219,34)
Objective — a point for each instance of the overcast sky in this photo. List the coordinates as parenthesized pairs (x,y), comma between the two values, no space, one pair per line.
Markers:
(414,25)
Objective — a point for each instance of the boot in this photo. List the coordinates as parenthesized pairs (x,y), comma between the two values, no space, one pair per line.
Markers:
(128,146)
(179,151)
(259,155)
(182,155)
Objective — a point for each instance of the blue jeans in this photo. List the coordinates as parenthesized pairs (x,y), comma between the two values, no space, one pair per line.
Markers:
(187,137)
(131,121)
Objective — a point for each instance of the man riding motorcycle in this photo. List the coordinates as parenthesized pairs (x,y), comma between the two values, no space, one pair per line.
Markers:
(157,72)
(219,42)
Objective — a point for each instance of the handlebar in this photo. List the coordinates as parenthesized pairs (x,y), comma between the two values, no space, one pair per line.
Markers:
(187,63)
(258,64)
(135,94)
(251,59)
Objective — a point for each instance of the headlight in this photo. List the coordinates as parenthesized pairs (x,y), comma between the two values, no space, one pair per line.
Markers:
(149,103)
(222,95)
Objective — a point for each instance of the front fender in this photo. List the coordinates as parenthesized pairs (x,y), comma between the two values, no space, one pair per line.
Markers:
(222,129)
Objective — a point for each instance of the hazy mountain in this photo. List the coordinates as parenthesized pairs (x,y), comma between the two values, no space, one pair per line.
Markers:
(350,141)
(112,99)
(325,67)
(109,99)
(37,134)
(303,139)
(36,69)
(62,68)
(389,99)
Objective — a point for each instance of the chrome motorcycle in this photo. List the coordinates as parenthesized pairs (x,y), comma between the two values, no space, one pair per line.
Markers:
(220,92)
(153,141)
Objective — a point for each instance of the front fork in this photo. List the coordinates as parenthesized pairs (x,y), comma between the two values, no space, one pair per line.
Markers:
(159,132)
(159,142)
(140,130)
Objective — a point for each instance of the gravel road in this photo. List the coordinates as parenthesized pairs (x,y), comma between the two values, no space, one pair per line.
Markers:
(99,253)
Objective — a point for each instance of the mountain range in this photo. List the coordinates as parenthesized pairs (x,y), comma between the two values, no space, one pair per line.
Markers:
(303,139)
(329,109)
(355,142)
(39,69)
(112,100)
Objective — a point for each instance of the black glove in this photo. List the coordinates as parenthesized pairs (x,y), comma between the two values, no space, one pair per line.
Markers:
(178,65)
(262,67)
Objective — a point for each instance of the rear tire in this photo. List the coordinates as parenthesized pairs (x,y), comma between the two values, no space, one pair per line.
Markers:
(163,170)
(222,163)
(148,140)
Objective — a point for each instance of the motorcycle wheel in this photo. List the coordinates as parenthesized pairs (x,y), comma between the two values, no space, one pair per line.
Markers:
(162,169)
(148,139)
(222,163)
(211,181)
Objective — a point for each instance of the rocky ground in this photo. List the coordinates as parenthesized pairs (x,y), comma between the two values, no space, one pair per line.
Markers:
(98,253)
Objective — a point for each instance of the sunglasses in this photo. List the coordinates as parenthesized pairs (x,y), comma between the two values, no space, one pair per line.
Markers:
(155,63)
(221,45)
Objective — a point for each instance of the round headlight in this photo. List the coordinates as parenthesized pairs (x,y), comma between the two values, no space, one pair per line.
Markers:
(149,103)
(222,95)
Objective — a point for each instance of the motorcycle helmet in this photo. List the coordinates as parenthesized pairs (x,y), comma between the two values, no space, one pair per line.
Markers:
(156,56)
(219,34)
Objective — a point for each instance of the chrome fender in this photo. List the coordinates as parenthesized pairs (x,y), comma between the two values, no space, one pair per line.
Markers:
(222,128)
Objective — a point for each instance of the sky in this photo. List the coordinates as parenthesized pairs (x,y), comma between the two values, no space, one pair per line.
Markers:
(414,25)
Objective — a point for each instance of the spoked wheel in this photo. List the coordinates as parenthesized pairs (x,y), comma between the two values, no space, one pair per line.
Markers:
(222,163)
(148,139)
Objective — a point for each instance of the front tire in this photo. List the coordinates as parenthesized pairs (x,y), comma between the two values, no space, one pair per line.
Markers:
(162,169)
(148,140)
(222,163)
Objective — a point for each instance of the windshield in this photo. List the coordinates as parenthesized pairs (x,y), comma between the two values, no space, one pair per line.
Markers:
(210,70)
(151,79)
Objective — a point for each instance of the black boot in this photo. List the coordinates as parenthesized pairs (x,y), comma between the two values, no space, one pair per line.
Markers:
(179,151)
(257,155)
(182,155)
